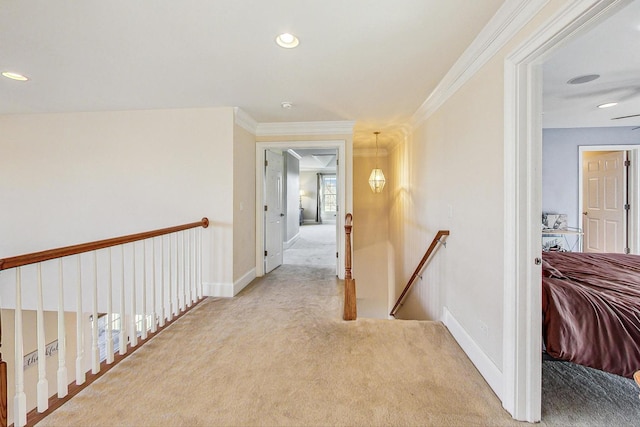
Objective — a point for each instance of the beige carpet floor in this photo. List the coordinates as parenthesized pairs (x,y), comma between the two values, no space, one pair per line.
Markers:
(279,354)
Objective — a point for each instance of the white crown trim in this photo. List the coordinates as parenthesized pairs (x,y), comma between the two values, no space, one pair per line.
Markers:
(305,128)
(244,120)
(505,24)
(294,154)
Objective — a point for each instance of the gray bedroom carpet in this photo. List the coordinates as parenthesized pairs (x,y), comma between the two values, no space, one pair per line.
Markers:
(316,246)
(574,395)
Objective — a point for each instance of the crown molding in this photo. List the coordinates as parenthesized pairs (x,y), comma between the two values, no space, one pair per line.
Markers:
(294,154)
(512,16)
(305,128)
(244,120)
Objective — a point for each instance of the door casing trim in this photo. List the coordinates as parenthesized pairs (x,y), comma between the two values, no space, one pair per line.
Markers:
(341,146)
(522,317)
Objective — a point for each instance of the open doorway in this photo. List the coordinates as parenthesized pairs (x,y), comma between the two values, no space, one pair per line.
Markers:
(609,174)
(314,194)
(315,243)
(523,153)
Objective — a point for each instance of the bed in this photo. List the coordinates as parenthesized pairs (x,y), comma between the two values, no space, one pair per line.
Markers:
(591,310)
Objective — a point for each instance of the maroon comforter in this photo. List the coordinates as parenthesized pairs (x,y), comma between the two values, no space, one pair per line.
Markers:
(591,309)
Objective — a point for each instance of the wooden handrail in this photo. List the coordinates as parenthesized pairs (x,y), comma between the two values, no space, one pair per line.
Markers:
(32,258)
(423,261)
(35,257)
(350,309)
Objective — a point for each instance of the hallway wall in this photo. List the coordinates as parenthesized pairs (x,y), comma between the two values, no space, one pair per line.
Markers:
(448,174)
(371,238)
(77,177)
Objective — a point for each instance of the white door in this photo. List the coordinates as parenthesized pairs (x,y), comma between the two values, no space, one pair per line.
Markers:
(604,187)
(274,209)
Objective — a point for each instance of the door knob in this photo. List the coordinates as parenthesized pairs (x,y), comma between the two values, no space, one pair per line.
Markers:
(585,213)
(281,214)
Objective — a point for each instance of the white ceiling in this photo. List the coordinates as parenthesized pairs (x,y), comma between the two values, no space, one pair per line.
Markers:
(370,61)
(612,50)
(314,159)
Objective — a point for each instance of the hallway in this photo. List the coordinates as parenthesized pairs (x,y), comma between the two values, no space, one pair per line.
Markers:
(279,354)
(315,246)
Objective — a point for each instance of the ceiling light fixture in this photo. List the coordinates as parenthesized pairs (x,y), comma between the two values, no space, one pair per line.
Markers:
(583,79)
(608,104)
(287,41)
(15,76)
(286,105)
(376,179)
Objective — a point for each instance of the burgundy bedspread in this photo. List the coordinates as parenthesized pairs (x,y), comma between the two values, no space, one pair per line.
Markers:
(591,309)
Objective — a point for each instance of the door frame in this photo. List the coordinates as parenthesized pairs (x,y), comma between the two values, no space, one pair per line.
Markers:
(632,188)
(522,317)
(344,196)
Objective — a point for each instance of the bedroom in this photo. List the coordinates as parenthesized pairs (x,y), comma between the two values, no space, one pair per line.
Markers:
(591,122)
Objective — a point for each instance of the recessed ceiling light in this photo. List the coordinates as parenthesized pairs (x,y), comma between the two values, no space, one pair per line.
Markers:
(14,76)
(583,79)
(287,41)
(286,105)
(608,104)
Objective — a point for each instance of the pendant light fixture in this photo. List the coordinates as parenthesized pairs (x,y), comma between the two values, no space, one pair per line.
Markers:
(376,179)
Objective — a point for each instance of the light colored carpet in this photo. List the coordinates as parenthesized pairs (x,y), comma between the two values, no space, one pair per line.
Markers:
(279,355)
(316,246)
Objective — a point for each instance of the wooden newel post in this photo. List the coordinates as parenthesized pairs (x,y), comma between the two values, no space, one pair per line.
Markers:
(350,309)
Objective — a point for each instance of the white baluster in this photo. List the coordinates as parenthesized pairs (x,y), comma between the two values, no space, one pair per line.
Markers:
(20,399)
(63,381)
(80,372)
(188,297)
(171,308)
(133,337)
(162,285)
(123,330)
(194,276)
(43,384)
(183,306)
(144,290)
(95,351)
(178,275)
(109,312)
(154,321)
(199,260)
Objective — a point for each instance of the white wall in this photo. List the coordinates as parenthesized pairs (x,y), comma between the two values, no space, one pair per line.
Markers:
(561,163)
(292,197)
(244,202)
(449,174)
(309,183)
(78,177)
(370,237)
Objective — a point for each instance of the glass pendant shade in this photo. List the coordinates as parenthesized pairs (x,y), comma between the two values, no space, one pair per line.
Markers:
(376,180)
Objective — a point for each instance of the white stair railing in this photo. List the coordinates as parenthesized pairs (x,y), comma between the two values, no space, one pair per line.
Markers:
(171,283)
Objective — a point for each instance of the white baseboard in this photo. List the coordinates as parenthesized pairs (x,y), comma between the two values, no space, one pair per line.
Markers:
(228,290)
(482,362)
(242,282)
(224,290)
(290,242)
